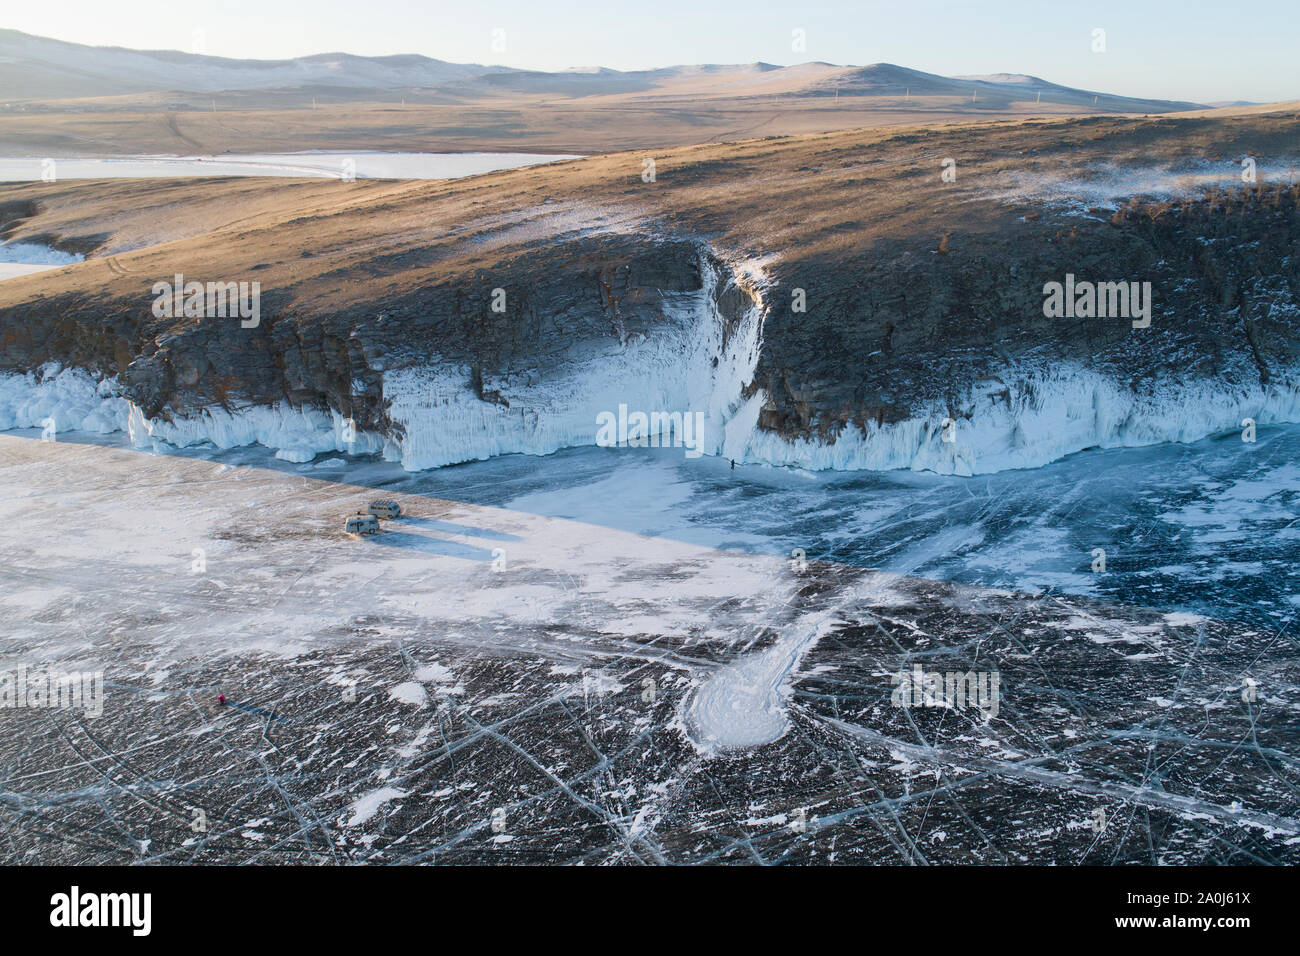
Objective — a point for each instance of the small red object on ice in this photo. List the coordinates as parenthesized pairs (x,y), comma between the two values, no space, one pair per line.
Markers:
(221,699)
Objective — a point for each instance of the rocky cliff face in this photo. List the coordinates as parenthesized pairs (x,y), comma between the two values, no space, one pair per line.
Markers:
(556,300)
(540,344)
(848,320)
(917,324)
(555,303)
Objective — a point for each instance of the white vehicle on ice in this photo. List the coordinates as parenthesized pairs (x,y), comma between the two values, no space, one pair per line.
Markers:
(361,524)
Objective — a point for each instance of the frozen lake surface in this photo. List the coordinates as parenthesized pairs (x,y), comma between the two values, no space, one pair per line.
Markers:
(324,164)
(610,655)
(1211,527)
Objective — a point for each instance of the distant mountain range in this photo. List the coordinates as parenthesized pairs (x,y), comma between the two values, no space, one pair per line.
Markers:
(34,67)
(37,68)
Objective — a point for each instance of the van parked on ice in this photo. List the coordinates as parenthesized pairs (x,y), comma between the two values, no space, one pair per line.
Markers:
(361,524)
(385,509)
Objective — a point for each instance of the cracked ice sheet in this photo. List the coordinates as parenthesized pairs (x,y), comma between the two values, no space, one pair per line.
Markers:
(559,694)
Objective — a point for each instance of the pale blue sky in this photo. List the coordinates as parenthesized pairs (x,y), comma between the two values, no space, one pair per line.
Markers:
(1175,49)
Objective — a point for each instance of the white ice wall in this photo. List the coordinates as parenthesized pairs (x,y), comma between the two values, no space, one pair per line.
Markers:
(672,370)
(74,401)
(70,398)
(441,419)
(1051,412)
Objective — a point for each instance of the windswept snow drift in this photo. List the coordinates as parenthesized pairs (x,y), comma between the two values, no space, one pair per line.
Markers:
(1109,186)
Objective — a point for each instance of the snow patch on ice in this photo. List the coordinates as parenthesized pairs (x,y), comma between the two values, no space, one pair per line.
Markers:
(410,692)
(366,806)
(743,704)
(434,673)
